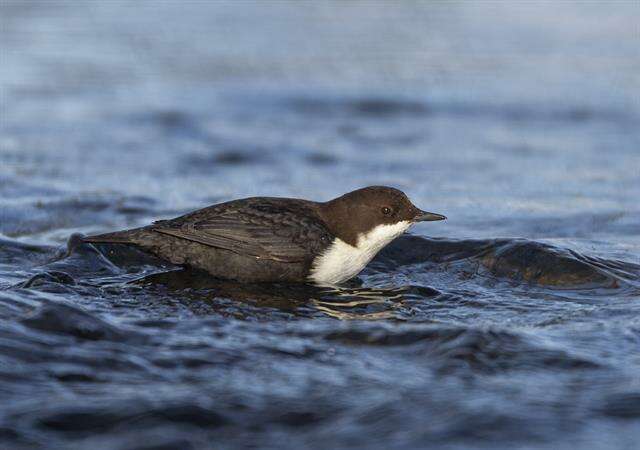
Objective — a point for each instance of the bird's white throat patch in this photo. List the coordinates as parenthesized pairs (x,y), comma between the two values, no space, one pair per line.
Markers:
(342,261)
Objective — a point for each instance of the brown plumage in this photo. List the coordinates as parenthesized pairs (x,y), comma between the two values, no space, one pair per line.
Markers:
(265,238)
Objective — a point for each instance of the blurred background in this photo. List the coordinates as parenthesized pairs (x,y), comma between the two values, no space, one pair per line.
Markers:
(481,110)
(515,119)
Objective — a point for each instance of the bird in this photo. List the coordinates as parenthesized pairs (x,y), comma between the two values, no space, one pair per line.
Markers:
(274,239)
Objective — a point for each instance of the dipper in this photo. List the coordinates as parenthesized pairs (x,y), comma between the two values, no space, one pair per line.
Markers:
(268,239)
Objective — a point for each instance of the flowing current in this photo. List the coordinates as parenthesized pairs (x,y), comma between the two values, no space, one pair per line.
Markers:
(513,324)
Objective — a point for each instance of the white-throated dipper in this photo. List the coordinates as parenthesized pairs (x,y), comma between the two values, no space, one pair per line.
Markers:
(270,239)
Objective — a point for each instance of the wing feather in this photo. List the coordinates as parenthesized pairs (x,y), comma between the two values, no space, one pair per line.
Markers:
(260,228)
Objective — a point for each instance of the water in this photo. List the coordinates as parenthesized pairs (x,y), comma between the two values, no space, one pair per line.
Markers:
(514,324)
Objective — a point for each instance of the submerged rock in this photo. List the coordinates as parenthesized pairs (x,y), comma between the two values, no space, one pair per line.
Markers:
(519,260)
(535,262)
(60,318)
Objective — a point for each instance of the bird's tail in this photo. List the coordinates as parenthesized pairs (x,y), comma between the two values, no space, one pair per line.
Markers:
(118,237)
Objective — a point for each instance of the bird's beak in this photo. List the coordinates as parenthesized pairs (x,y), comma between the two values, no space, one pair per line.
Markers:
(424,216)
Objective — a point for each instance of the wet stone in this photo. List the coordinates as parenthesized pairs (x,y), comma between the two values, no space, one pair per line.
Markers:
(533,262)
(64,319)
(46,278)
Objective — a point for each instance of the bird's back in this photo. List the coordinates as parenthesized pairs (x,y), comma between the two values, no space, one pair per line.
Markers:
(253,239)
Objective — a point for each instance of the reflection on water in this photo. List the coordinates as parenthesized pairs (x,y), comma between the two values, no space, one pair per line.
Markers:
(338,302)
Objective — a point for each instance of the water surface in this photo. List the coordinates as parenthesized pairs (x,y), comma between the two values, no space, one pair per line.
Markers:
(514,324)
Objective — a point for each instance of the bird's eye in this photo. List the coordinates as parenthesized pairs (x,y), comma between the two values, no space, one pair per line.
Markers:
(386,210)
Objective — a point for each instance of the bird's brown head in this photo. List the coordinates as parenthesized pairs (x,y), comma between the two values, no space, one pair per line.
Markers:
(360,211)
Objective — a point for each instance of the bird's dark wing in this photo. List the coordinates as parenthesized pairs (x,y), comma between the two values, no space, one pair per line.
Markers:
(279,229)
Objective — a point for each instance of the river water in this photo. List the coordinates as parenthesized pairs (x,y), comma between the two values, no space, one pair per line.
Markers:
(513,324)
